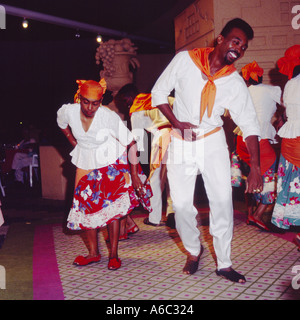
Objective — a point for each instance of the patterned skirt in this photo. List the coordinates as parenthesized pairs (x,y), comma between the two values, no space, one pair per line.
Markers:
(286,211)
(105,195)
(268,194)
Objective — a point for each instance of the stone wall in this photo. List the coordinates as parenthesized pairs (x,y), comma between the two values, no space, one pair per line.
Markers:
(271,20)
(195,26)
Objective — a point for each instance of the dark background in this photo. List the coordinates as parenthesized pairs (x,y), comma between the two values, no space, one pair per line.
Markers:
(39,66)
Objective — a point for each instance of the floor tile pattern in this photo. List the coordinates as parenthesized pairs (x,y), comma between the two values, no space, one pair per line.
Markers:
(152,262)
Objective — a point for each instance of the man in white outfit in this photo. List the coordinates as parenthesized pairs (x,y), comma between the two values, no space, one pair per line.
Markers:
(205,83)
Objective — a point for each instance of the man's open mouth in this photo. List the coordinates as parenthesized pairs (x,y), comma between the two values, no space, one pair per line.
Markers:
(233,55)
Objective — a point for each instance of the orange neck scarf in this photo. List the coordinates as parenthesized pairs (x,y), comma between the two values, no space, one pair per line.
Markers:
(141,102)
(208,94)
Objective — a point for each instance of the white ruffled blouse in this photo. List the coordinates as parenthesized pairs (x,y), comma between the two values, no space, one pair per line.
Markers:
(104,142)
(264,99)
(291,100)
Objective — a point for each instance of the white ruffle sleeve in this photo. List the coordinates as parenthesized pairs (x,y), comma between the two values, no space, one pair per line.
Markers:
(291,129)
(291,100)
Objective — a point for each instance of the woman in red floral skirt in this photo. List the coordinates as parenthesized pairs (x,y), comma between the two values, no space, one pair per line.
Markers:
(107,185)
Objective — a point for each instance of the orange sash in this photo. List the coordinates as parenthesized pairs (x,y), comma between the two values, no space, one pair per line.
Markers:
(208,94)
(267,153)
(290,149)
(141,102)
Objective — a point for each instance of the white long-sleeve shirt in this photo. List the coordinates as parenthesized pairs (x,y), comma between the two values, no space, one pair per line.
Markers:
(291,100)
(188,81)
(103,143)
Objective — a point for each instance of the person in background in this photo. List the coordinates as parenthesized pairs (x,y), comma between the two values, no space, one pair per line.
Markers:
(286,211)
(144,117)
(107,188)
(265,99)
(24,155)
(120,104)
(134,109)
(205,83)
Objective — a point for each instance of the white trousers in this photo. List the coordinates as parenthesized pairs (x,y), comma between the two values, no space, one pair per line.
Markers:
(158,183)
(210,157)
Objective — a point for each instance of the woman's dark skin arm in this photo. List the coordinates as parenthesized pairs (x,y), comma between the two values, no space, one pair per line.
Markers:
(134,163)
(68,133)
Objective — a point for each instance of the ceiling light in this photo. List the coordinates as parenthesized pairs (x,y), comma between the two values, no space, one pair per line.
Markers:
(25,24)
(99,38)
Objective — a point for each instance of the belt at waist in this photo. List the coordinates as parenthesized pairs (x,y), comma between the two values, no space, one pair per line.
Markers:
(159,149)
(174,132)
(208,133)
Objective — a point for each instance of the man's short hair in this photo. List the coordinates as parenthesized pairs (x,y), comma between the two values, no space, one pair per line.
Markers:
(239,24)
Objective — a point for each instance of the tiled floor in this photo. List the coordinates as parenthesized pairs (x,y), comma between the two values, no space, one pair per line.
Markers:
(152,262)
